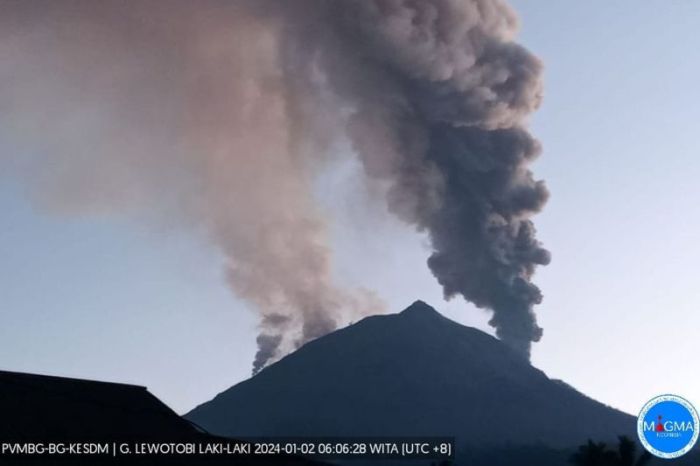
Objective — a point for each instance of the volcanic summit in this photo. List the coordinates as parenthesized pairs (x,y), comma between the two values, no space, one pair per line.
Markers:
(409,374)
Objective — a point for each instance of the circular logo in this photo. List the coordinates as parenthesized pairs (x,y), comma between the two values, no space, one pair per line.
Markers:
(668,426)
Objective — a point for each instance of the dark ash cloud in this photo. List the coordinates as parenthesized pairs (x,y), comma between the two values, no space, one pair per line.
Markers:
(219,115)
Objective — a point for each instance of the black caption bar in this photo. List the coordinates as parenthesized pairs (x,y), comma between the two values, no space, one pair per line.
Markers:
(433,448)
(324,448)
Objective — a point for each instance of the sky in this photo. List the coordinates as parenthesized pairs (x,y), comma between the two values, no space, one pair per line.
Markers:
(108,298)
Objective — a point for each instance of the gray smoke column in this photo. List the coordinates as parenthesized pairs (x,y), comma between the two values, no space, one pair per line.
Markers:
(436,95)
(217,116)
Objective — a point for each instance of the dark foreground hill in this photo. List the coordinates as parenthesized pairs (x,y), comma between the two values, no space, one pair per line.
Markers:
(413,373)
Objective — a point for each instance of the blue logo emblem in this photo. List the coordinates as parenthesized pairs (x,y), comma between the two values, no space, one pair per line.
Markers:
(668,426)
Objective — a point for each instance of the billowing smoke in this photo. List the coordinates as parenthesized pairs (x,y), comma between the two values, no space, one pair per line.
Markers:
(220,113)
(437,94)
(179,113)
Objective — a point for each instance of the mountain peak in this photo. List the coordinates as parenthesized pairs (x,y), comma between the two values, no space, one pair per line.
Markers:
(420,309)
(409,374)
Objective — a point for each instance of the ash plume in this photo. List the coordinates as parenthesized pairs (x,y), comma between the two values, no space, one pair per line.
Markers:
(178,113)
(436,95)
(217,116)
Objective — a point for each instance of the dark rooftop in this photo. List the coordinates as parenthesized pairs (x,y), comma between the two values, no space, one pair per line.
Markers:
(43,406)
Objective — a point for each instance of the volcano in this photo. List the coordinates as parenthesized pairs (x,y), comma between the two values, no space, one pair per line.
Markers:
(410,374)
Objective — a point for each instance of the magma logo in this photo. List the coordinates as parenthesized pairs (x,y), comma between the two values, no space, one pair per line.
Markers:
(668,426)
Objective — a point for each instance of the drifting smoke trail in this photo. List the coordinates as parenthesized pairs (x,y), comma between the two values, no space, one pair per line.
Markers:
(221,112)
(179,110)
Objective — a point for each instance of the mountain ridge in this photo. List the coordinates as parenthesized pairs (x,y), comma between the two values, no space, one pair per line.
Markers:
(412,373)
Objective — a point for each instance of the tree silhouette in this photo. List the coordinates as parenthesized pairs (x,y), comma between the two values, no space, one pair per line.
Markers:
(598,454)
(593,454)
(627,453)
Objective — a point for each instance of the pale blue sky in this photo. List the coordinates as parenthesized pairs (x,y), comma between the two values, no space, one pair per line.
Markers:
(105,298)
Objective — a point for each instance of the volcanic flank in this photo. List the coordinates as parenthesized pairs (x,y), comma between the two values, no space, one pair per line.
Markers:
(412,373)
